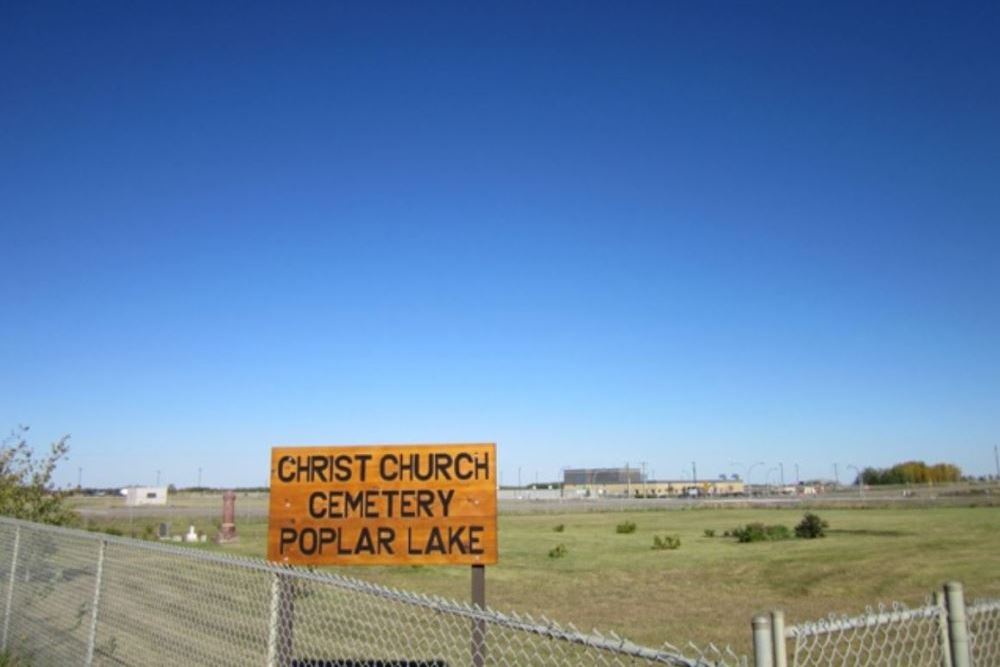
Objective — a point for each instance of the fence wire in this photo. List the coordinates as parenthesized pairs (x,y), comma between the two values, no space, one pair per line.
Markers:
(888,636)
(984,632)
(78,598)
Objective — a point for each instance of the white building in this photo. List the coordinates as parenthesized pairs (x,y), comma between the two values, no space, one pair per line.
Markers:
(145,495)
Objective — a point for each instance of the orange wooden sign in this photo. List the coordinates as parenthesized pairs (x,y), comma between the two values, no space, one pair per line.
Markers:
(383,505)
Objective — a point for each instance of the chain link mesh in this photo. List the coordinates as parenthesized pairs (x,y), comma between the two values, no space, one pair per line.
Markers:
(888,636)
(72,597)
(984,632)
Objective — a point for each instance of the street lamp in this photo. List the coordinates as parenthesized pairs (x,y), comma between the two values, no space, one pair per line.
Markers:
(861,485)
(767,480)
(749,472)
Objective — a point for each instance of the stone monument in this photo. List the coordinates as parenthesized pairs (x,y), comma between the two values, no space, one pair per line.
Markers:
(227,535)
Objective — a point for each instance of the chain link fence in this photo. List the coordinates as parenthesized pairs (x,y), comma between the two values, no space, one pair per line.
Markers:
(984,632)
(77,598)
(942,633)
(886,636)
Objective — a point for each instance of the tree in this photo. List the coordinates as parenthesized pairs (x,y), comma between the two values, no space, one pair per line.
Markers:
(26,490)
(911,472)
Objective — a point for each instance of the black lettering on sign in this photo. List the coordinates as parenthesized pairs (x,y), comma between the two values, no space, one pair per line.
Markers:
(287,537)
(386,536)
(331,505)
(363,460)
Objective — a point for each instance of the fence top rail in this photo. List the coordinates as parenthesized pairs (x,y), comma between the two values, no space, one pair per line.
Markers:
(521,622)
(983,606)
(895,613)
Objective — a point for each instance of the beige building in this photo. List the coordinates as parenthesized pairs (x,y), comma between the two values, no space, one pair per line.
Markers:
(626,482)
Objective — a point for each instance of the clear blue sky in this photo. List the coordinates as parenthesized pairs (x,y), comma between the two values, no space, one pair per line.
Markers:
(593,233)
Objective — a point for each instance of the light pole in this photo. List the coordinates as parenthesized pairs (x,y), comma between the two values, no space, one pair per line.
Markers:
(750,472)
(157,477)
(767,480)
(861,485)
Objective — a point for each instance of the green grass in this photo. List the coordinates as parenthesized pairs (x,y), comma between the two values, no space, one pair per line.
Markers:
(709,588)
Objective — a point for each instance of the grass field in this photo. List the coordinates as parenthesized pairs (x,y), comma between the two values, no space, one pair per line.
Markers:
(708,589)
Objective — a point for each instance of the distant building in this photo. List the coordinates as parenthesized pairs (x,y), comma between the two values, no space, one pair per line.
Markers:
(584,476)
(627,482)
(145,495)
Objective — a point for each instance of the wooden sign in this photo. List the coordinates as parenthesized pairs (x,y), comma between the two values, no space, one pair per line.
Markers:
(383,505)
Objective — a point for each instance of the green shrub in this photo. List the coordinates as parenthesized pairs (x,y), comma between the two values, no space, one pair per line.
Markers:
(625,527)
(758,532)
(558,551)
(111,530)
(811,527)
(709,532)
(560,528)
(26,488)
(666,542)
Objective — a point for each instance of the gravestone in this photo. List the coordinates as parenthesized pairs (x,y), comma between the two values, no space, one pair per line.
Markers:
(227,534)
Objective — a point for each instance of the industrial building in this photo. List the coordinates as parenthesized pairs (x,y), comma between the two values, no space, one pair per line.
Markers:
(591,476)
(631,483)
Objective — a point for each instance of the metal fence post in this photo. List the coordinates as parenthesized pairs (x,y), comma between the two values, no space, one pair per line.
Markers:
(281,627)
(778,638)
(958,630)
(10,585)
(763,650)
(92,636)
(943,629)
(478,625)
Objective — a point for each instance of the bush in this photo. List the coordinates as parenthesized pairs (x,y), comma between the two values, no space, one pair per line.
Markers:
(26,489)
(560,528)
(666,542)
(709,532)
(811,527)
(758,532)
(625,527)
(558,551)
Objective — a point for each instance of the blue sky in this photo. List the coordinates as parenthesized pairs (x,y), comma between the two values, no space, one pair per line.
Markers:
(595,233)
